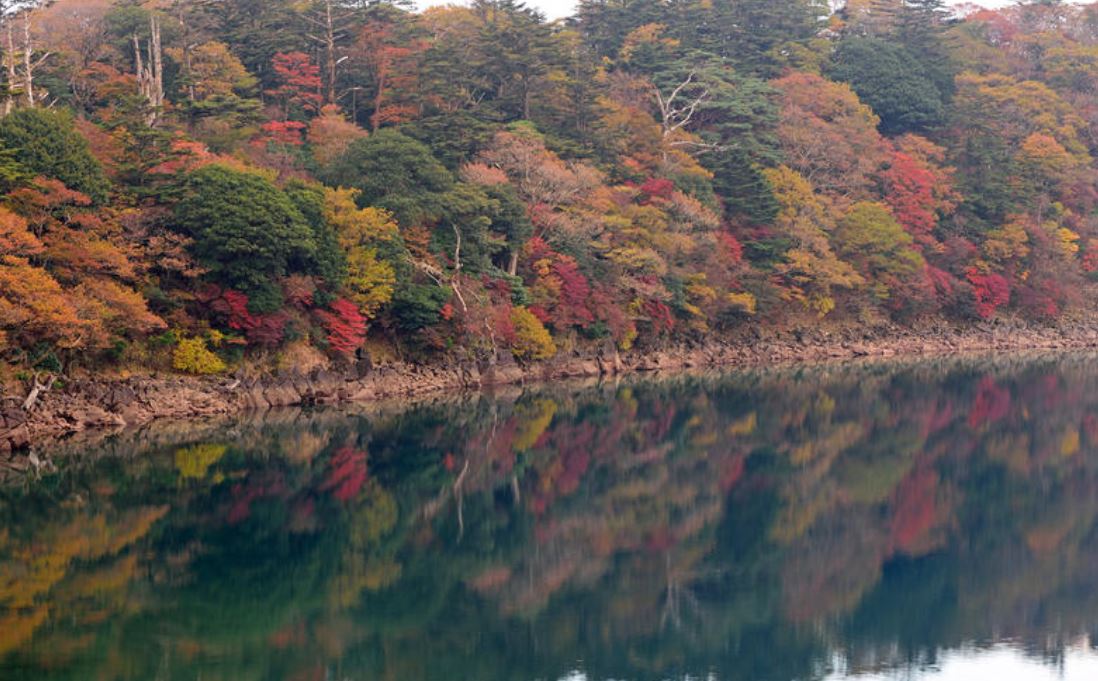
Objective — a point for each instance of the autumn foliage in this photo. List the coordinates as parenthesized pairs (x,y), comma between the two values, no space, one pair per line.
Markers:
(476,181)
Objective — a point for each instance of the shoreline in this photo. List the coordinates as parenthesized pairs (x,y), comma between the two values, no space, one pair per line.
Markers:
(112,404)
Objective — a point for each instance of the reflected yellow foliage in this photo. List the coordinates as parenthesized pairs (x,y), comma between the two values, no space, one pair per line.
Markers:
(194,462)
(1069,443)
(744,426)
(534,419)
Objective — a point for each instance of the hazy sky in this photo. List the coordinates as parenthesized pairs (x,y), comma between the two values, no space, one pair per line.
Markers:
(555,9)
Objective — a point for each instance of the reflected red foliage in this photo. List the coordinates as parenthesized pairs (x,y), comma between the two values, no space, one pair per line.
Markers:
(347,474)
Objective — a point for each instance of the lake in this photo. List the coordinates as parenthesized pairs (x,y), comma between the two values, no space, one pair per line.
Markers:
(934,520)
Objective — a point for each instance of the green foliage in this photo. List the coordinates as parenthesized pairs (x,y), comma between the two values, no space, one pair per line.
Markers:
(329,260)
(892,81)
(246,231)
(12,173)
(416,306)
(394,172)
(453,138)
(870,238)
(45,142)
(743,187)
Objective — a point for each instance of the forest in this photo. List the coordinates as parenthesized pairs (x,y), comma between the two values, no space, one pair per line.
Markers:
(204,186)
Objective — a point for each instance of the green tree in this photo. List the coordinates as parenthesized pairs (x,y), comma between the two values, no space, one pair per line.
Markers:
(892,81)
(246,231)
(46,143)
(876,244)
(394,172)
(753,33)
(742,186)
(328,261)
(921,29)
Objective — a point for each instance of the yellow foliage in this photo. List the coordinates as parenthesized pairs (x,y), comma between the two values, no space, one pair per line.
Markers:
(534,420)
(743,301)
(215,70)
(532,339)
(744,426)
(796,518)
(1069,443)
(627,340)
(370,280)
(1008,242)
(367,575)
(1045,155)
(811,267)
(193,357)
(647,34)
(640,260)
(17,627)
(1069,241)
(379,515)
(822,304)
(193,462)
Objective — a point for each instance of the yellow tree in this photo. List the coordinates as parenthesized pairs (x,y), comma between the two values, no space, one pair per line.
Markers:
(364,233)
(810,268)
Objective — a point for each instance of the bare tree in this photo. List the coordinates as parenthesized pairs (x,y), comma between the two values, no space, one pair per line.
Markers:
(331,25)
(20,84)
(9,65)
(150,76)
(29,62)
(679,107)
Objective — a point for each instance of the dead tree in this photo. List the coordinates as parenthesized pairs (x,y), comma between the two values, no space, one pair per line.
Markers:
(9,66)
(678,108)
(332,30)
(19,60)
(150,76)
(36,391)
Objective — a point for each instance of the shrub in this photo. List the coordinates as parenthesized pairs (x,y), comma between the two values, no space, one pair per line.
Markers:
(193,357)
(532,339)
(345,325)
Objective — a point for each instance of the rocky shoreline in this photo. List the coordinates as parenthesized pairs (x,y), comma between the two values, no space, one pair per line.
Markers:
(113,404)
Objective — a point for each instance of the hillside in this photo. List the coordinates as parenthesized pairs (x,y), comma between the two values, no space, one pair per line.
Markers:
(216,186)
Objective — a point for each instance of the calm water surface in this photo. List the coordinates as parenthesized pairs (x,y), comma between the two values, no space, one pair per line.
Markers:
(930,521)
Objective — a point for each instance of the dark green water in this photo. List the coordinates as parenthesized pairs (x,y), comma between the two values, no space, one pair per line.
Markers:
(933,521)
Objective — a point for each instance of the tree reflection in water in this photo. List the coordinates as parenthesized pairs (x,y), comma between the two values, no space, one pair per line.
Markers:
(761,525)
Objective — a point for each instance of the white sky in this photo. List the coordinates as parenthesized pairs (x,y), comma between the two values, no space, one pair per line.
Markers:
(555,9)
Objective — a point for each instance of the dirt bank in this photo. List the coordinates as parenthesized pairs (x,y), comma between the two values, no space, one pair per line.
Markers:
(88,404)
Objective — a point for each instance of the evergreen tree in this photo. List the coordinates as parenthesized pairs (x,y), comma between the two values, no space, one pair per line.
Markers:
(246,231)
(45,142)
(892,81)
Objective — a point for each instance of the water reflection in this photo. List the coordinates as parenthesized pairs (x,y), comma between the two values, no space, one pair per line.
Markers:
(873,522)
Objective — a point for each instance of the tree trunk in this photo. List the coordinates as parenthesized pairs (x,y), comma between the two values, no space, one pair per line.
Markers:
(28,67)
(329,40)
(9,62)
(150,77)
(379,98)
